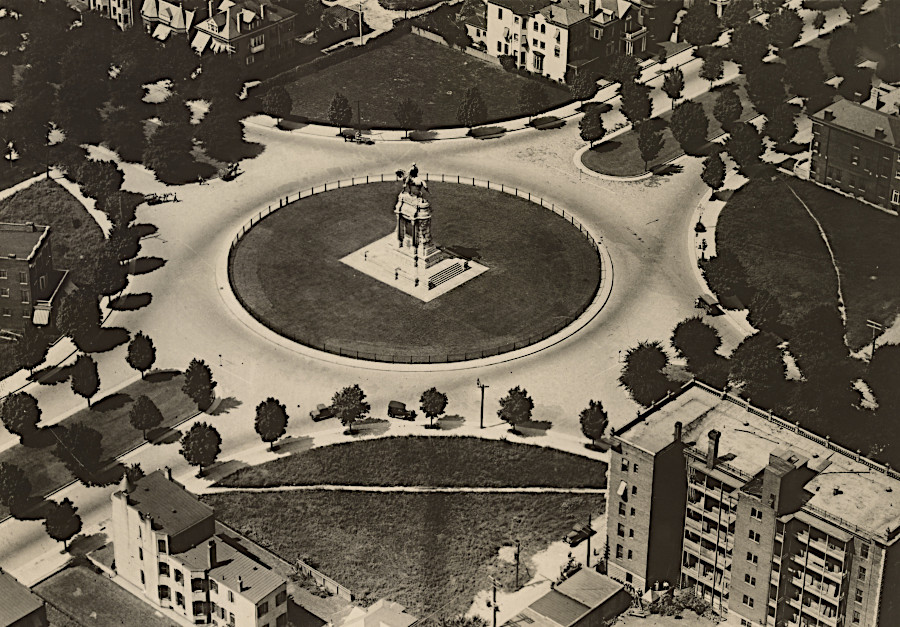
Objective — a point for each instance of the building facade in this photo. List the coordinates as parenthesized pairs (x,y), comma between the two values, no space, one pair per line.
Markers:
(28,280)
(19,606)
(253,30)
(165,543)
(119,11)
(856,149)
(162,18)
(780,527)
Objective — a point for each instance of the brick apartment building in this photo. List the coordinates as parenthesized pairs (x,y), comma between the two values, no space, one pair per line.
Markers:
(254,31)
(856,149)
(28,281)
(777,526)
(165,543)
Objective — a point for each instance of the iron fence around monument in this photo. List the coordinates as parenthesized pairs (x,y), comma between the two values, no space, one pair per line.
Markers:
(437,358)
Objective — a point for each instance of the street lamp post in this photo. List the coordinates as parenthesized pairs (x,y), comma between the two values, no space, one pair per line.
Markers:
(482,386)
(518,550)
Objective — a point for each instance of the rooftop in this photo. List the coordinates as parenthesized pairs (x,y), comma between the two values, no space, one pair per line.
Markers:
(234,569)
(564,13)
(589,587)
(559,608)
(863,120)
(167,503)
(522,7)
(845,485)
(16,601)
(384,613)
(20,240)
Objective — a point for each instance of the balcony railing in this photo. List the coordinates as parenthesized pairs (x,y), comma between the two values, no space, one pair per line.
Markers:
(635,35)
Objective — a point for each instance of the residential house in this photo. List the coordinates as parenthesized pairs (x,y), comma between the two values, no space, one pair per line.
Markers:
(28,281)
(165,543)
(19,606)
(384,613)
(120,11)
(779,526)
(162,18)
(474,15)
(856,149)
(586,599)
(252,30)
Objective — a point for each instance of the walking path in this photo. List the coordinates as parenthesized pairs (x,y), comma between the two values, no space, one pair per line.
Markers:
(421,489)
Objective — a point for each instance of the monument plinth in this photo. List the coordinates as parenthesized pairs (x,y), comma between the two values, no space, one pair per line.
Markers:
(408,259)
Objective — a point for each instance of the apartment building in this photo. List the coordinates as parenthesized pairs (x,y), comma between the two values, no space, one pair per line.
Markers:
(780,527)
(165,543)
(28,281)
(856,149)
(253,30)
(119,11)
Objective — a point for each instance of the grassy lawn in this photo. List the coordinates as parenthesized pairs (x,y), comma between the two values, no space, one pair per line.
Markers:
(288,272)
(93,599)
(429,552)
(621,156)
(784,256)
(445,461)
(412,66)
(110,417)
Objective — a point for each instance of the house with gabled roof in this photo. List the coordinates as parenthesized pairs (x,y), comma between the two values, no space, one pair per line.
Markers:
(162,18)
(255,31)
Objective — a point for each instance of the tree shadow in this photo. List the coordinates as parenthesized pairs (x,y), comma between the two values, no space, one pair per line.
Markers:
(534,428)
(291,445)
(301,617)
(668,169)
(51,375)
(369,427)
(111,402)
(724,194)
(32,508)
(446,423)
(144,229)
(225,405)
(793,148)
(105,340)
(606,146)
(82,544)
(130,302)
(220,470)
(600,446)
(463,252)
(163,435)
(145,265)
(422,136)
(159,376)
(106,475)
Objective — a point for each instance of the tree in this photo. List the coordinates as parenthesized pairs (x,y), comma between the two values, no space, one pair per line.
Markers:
(843,49)
(749,44)
(15,487)
(78,315)
(882,378)
(757,365)
(819,21)
(728,108)
(584,86)
(515,408)
(695,341)
(471,110)
(713,172)
(144,414)
(103,272)
(689,125)
(594,421)
(532,99)
(623,68)
(220,79)
(271,421)
(700,25)
(199,384)
(765,86)
(168,150)
(62,522)
(737,12)
(857,84)
(673,84)
(507,62)
(591,126)
(803,71)
(134,473)
(201,445)
(80,448)
(785,27)
(433,403)
(85,379)
(222,134)
(99,179)
(642,375)
(853,8)
(780,126)
(340,113)
(650,141)
(713,67)
(141,353)
(20,414)
(635,102)
(31,348)
(409,115)
(277,102)
(123,131)
(745,146)
(350,405)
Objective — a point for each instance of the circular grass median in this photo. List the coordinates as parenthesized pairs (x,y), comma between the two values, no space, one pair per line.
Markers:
(542,273)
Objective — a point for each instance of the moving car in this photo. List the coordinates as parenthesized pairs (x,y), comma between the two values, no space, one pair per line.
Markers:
(578,534)
(396,409)
(321,412)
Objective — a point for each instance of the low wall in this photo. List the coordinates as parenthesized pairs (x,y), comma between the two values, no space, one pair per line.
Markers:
(478,54)
(325,581)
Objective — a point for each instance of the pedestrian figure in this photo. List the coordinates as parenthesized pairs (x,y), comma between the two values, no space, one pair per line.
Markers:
(365,255)
(396,274)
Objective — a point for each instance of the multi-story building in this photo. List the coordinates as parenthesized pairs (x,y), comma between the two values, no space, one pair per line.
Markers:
(28,281)
(19,606)
(165,544)
(780,527)
(856,149)
(161,18)
(553,37)
(254,31)
(120,11)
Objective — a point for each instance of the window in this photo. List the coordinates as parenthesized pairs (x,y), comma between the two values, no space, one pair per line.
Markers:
(543,28)
(23,278)
(624,465)
(4,292)
(748,601)
(855,617)
(179,577)
(198,607)
(534,26)
(756,513)
(621,508)
(259,40)
(859,595)
(280,598)
(25,298)
(213,586)
(140,553)
(534,42)
(499,47)
(619,551)
(630,553)
(634,467)
(861,575)
(895,196)
(596,33)
(620,531)
(230,596)
(163,569)
(179,599)
(542,45)
(7,312)
(631,533)
(500,14)
(249,60)
(754,536)
(632,511)
(164,592)
(633,490)
(864,551)
(143,579)
(281,621)
(854,160)
(231,618)
(262,609)
(161,546)
(3,272)
(538,62)
(556,51)
(752,558)
(749,579)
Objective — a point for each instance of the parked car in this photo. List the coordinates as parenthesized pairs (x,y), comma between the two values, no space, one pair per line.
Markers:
(321,412)
(396,409)
(578,534)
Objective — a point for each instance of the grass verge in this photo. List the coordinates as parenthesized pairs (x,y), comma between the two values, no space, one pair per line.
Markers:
(421,460)
(429,552)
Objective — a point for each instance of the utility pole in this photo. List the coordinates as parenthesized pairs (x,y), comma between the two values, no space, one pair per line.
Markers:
(587,558)
(875,326)
(493,604)
(360,23)
(482,386)
(518,550)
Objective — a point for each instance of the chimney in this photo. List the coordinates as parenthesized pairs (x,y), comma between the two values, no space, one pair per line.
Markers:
(12,255)
(212,553)
(879,133)
(240,584)
(829,115)
(168,473)
(262,10)
(712,453)
(126,484)
(209,6)
(678,431)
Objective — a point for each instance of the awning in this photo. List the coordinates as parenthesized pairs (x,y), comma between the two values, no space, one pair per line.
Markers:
(622,487)
(200,41)
(41,317)
(162,31)
(217,46)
